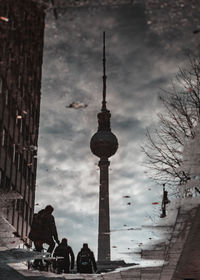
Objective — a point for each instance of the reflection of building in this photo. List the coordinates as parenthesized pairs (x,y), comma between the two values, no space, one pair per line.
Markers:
(22,27)
(104,144)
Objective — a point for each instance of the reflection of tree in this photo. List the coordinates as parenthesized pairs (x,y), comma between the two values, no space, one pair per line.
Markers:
(164,148)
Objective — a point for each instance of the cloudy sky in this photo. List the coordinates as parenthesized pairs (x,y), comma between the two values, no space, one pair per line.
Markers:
(140,61)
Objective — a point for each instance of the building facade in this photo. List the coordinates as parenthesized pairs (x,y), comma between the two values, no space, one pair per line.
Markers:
(21,52)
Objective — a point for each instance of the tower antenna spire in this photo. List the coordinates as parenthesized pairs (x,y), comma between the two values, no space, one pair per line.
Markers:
(104,74)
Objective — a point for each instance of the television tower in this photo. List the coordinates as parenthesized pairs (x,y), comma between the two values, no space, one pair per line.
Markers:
(104,144)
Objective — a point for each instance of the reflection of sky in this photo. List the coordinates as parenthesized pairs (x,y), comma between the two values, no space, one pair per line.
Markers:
(68,176)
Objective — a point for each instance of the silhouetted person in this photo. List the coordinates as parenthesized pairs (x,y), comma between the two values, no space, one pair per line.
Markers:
(85,260)
(65,251)
(43,229)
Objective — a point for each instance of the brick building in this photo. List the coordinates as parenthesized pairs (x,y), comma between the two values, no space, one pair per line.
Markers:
(21,51)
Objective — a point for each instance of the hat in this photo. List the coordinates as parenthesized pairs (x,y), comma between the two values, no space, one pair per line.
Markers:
(64,241)
(49,208)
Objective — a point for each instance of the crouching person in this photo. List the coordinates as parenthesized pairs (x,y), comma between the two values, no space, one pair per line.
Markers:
(66,257)
(85,260)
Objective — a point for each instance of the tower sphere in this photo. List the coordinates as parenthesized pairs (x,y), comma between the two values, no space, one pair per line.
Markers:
(104,144)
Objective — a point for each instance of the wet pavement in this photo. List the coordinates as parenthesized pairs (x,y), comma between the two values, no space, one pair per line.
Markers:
(13,262)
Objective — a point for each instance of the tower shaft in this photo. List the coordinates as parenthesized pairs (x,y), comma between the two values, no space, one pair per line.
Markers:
(104,144)
(104,213)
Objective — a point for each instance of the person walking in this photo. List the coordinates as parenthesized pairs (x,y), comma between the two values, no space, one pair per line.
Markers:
(67,261)
(85,260)
(43,229)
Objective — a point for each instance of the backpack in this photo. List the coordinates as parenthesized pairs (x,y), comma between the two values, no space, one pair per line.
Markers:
(38,221)
(85,259)
(36,228)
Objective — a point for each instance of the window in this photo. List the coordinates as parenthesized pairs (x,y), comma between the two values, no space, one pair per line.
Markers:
(16,116)
(3,137)
(16,154)
(30,215)
(18,161)
(21,162)
(19,81)
(23,91)
(7,184)
(0,176)
(21,125)
(33,182)
(26,212)
(14,151)
(29,175)
(9,145)
(25,168)
(20,206)
(1,85)
(2,182)
(6,97)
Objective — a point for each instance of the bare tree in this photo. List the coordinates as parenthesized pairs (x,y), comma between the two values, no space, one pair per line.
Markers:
(164,147)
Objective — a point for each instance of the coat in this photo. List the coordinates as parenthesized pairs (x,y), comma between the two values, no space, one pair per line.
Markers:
(92,263)
(43,227)
(65,251)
